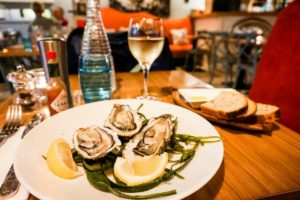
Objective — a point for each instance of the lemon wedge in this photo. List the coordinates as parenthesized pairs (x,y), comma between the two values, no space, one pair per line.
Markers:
(140,170)
(60,160)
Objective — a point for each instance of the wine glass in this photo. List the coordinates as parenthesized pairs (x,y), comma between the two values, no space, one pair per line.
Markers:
(146,41)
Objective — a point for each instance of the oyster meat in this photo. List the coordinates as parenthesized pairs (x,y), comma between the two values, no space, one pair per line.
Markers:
(124,121)
(95,142)
(153,138)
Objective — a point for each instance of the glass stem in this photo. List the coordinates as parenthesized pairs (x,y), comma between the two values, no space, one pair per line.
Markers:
(146,74)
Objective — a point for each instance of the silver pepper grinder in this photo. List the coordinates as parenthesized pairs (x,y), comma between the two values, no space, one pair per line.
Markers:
(24,86)
(59,46)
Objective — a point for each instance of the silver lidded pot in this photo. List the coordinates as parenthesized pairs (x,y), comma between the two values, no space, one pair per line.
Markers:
(24,86)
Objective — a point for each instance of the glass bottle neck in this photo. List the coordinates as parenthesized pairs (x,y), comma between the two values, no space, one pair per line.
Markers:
(93,10)
(95,40)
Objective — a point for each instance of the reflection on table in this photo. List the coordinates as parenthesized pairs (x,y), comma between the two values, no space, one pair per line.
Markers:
(18,50)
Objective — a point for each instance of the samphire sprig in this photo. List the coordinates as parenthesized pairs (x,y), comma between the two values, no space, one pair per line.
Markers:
(182,144)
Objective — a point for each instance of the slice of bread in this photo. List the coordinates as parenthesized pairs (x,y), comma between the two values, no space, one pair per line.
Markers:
(266,112)
(227,105)
(249,113)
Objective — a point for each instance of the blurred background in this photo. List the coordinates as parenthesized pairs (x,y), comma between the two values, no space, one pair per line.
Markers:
(218,41)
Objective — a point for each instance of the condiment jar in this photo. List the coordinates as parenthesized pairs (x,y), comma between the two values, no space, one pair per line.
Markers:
(24,86)
(40,84)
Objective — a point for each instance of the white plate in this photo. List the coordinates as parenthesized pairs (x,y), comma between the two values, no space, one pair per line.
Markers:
(32,171)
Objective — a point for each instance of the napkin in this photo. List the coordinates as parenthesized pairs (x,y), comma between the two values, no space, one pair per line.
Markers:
(7,152)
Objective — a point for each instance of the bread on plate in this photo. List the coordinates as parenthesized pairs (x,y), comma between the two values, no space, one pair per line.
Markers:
(248,113)
(227,105)
(266,112)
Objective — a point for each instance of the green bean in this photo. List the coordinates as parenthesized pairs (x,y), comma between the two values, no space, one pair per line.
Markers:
(140,106)
(100,181)
(143,187)
(95,169)
(200,139)
(76,157)
(100,164)
(147,196)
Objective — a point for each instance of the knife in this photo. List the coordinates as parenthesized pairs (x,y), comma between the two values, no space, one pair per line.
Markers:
(11,184)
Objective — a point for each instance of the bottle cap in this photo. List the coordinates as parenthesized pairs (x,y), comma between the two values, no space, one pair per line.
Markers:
(51,55)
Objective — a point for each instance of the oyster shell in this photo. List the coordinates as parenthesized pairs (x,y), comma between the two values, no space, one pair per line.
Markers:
(124,121)
(95,142)
(153,138)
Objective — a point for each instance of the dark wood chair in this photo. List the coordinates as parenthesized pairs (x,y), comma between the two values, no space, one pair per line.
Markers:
(247,38)
(123,59)
(213,44)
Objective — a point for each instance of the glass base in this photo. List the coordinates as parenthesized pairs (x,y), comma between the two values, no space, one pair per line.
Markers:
(148,98)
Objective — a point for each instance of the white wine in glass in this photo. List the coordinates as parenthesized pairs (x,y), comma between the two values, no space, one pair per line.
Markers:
(146,41)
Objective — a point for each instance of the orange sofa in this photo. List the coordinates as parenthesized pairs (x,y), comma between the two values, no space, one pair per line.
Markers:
(115,20)
(179,50)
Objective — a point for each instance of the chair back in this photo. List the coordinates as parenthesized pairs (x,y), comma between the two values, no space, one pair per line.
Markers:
(11,37)
(277,76)
(123,59)
(252,24)
(248,51)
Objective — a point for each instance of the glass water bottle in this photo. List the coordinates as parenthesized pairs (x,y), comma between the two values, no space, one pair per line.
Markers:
(96,69)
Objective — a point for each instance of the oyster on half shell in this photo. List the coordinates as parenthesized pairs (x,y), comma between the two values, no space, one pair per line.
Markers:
(153,138)
(95,142)
(124,121)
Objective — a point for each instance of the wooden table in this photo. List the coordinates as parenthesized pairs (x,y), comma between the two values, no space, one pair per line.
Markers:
(19,51)
(255,165)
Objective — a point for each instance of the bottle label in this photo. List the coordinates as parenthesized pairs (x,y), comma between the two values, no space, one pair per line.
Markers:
(60,103)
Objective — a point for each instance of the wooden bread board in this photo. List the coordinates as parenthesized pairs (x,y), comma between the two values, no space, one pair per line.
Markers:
(253,126)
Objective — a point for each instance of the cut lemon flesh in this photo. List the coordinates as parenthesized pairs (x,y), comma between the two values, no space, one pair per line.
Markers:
(140,170)
(60,160)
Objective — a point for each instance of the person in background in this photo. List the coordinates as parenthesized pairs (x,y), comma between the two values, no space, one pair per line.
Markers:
(58,15)
(40,21)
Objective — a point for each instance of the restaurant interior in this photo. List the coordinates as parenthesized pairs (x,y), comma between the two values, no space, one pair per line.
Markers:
(228,69)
